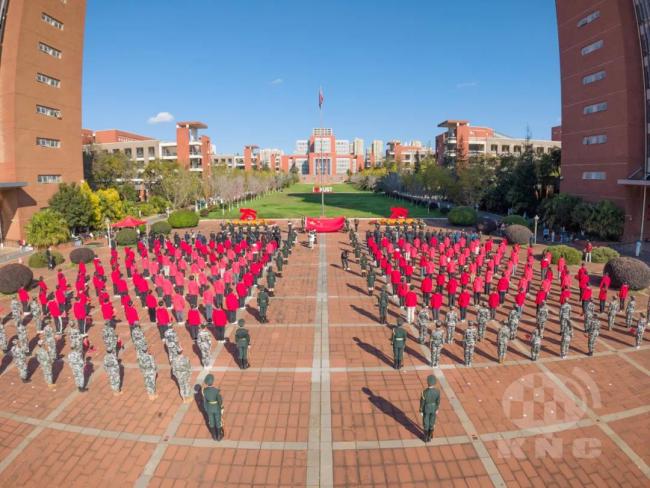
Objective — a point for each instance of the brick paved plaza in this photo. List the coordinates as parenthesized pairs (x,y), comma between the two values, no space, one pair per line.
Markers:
(321,404)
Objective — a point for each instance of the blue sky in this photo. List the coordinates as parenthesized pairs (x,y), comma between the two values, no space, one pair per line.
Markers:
(251,69)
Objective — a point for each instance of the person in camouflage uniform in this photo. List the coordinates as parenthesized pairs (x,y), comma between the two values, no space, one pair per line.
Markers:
(172,345)
(513,323)
(398,341)
(629,312)
(37,313)
(182,371)
(75,339)
(204,343)
(19,354)
(565,342)
(16,311)
(76,362)
(139,340)
(565,315)
(45,362)
(435,345)
(469,342)
(4,346)
(535,345)
(483,316)
(383,305)
(109,337)
(593,332)
(50,342)
(370,281)
(502,342)
(423,324)
(541,318)
(112,367)
(147,366)
(363,264)
(612,311)
(640,330)
(452,320)
(590,310)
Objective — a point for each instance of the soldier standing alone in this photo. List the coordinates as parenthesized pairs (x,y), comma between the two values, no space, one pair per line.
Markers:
(565,342)
(535,345)
(429,405)
(640,330)
(435,345)
(243,341)
(263,303)
(398,340)
(213,406)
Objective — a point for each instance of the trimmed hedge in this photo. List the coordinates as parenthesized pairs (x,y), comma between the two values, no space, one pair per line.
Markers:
(517,234)
(39,259)
(161,227)
(82,255)
(486,225)
(571,255)
(628,270)
(516,220)
(126,237)
(603,254)
(14,276)
(462,216)
(181,219)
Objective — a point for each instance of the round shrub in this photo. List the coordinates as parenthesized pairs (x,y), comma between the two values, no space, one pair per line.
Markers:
(181,219)
(126,237)
(628,270)
(515,219)
(462,216)
(39,259)
(82,255)
(603,254)
(486,225)
(517,234)
(161,227)
(571,255)
(14,276)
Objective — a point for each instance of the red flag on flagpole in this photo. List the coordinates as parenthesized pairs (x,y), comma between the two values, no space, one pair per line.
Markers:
(321,98)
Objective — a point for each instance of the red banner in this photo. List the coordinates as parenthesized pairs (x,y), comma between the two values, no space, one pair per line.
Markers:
(247,214)
(399,213)
(323,224)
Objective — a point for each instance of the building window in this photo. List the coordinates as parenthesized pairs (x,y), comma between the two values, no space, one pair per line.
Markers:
(599,139)
(592,78)
(52,21)
(494,148)
(151,151)
(139,152)
(342,166)
(596,107)
(594,46)
(48,80)
(539,150)
(593,175)
(45,142)
(517,149)
(589,18)
(49,111)
(505,149)
(55,53)
(48,179)
(128,153)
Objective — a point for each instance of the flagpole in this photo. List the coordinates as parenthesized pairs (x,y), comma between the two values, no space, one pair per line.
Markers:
(322,164)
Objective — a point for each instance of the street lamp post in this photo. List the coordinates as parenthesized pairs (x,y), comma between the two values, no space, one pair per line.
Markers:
(108,230)
(536,219)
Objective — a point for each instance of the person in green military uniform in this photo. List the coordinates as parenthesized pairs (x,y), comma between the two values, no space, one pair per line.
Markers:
(243,341)
(370,281)
(398,340)
(270,280)
(383,305)
(279,262)
(262,303)
(213,406)
(363,264)
(429,405)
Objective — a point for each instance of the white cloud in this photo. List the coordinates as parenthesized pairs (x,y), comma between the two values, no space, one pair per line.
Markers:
(277,81)
(160,118)
(467,84)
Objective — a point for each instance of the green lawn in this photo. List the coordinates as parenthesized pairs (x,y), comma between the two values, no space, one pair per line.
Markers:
(293,204)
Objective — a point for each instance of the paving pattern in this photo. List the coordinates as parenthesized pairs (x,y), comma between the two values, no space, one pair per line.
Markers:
(322,406)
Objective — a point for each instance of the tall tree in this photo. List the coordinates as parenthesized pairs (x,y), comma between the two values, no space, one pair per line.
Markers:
(74,205)
(108,170)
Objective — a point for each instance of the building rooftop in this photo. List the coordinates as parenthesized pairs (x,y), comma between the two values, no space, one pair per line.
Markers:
(192,125)
(451,122)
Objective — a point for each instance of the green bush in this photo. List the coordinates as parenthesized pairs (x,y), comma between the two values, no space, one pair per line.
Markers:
(47,228)
(515,219)
(159,204)
(181,219)
(517,234)
(82,255)
(14,276)
(557,211)
(39,259)
(571,255)
(462,216)
(628,270)
(603,254)
(161,227)
(126,237)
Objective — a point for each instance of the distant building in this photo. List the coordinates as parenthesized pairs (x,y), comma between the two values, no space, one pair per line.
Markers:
(358,147)
(482,141)
(41,47)
(376,154)
(408,152)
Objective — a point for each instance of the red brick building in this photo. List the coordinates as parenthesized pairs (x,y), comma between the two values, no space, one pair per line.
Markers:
(605,78)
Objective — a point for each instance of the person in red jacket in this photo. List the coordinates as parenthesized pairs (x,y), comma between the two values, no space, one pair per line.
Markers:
(602,299)
(585,298)
(23,296)
(622,294)
(162,319)
(242,293)
(605,281)
(151,304)
(477,288)
(436,304)
(411,301)
(520,298)
(232,304)
(565,295)
(502,287)
(402,290)
(540,298)
(108,314)
(427,287)
(463,302)
(493,304)
(192,291)
(193,322)
(452,287)
(219,321)
(131,315)
(55,312)
(440,282)
(79,311)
